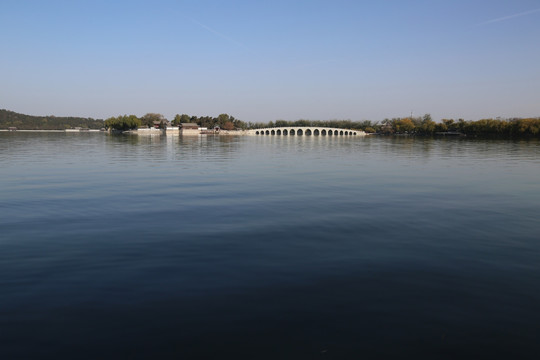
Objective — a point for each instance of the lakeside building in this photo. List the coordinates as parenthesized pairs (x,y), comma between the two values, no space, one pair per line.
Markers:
(189,129)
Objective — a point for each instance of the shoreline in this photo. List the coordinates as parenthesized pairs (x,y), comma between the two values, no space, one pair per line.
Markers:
(161,132)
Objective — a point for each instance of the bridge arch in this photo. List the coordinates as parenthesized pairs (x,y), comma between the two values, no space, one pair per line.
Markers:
(305,130)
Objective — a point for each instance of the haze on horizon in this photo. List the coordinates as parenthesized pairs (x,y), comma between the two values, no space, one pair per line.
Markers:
(262,61)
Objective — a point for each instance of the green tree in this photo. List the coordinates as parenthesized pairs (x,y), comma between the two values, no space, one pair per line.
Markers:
(386,127)
(461,124)
(204,121)
(123,123)
(228,126)
(178,119)
(147,120)
(528,126)
(449,124)
(222,119)
(239,124)
(404,125)
(427,125)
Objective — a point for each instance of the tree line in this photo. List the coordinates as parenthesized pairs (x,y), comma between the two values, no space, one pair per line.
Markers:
(485,127)
(423,125)
(224,121)
(28,122)
(127,122)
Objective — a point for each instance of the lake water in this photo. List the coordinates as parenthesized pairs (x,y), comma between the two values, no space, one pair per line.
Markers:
(268,247)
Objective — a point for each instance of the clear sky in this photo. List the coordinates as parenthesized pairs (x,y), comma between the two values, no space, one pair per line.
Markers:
(269,60)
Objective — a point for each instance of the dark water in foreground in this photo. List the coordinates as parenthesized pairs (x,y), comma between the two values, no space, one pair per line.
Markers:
(268,247)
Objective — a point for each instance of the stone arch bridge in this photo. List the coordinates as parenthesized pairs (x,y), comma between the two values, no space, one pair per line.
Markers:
(305,130)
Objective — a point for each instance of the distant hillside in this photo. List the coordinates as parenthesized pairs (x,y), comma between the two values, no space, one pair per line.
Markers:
(27,122)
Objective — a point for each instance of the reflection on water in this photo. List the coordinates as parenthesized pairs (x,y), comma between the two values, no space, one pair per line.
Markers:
(268,247)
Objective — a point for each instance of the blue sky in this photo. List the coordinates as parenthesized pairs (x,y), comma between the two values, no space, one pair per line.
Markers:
(269,60)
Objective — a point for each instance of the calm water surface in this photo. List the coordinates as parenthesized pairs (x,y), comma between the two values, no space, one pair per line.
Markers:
(268,247)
